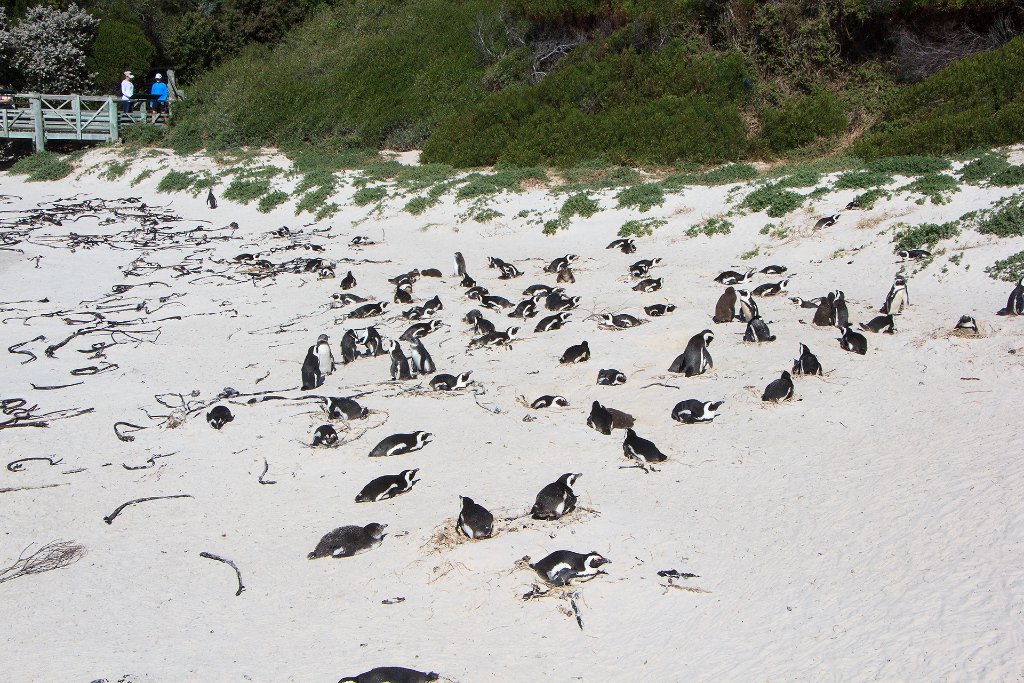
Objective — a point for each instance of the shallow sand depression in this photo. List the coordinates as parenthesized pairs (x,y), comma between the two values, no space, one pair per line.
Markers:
(871,529)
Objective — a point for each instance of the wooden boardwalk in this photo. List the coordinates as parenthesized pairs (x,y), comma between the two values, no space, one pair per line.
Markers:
(71,117)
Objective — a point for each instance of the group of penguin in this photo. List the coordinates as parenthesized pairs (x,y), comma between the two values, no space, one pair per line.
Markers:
(558,498)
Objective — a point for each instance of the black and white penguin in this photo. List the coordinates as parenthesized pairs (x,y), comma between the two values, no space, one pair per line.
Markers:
(560,263)
(757,331)
(445,382)
(853,205)
(527,308)
(417,330)
(400,444)
(898,297)
(405,278)
(349,281)
(495,302)
(373,343)
(326,436)
(880,323)
(1015,302)
(693,411)
(774,270)
(391,674)
(746,306)
(643,266)
(623,321)
(855,342)
(552,322)
(649,285)
(414,313)
(824,315)
(346,299)
(475,521)
(610,378)
(347,541)
(361,241)
(219,416)
(806,363)
(369,310)
(913,254)
(780,390)
(509,271)
(826,222)
(480,324)
(388,486)
(343,407)
(312,265)
(311,375)
(556,302)
(600,419)
(549,400)
(494,262)
(534,290)
(806,303)
(496,338)
(577,353)
(640,449)
(562,567)
(432,306)
(467,282)
(349,348)
(421,360)
(968,323)
(556,499)
(460,264)
(725,309)
(658,310)
(324,355)
(211,201)
(840,313)
(695,359)
(731,277)
(401,365)
(403,294)
(771,288)
(326,273)
(625,245)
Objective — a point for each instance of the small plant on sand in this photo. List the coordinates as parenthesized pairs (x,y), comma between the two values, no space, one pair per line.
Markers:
(711,227)
(327,210)
(43,166)
(728,175)
(937,187)
(642,197)
(909,165)
(579,204)
(642,227)
(984,167)
(867,199)
(747,255)
(1008,177)
(115,169)
(369,195)
(1004,219)
(176,181)
(1009,269)
(244,190)
(554,225)
(772,199)
(862,180)
(417,205)
(486,215)
(415,178)
(504,179)
(142,176)
(924,235)
(272,200)
(314,200)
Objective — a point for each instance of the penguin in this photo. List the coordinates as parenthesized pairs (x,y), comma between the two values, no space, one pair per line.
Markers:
(509,271)
(649,285)
(349,281)
(495,303)
(780,389)
(219,416)
(417,330)
(350,540)
(349,350)
(731,277)
(610,378)
(806,303)
(806,363)
(430,272)
(414,313)
(283,231)
(692,411)
(913,254)
(621,420)
(405,278)
(460,264)
(855,342)
(600,419)
(475,522)
(658,310)
(339,407)
(400,444)
(556,499)
(826,222)
(467,282)
(326,273)
(638,448)
(880,323)
(563,566)
(578,353)
(643,266)
(324,355)
(432,306)
(1015,302)
(560,263)
(527,308)
(496,338)
(898,297)
(495,262)
(551,322)
(623,321)
(556,302)
(626,245)
(313,264)
(326,436)
(244,258)
(346,299)
(747,306)
(840,313)
(774,270)
(565,275)
(480,324)
(391,674)
(211,201)
(824,316)
(771,288)
(403,294)
(422,363)
(757,331)
(311,375)
(450,382)
(373,344)
(968,323)
(853,205)
(534,290)
(388,486)
(695,359)
(402,367)
(548,400)
(725,309)
(369,310)
(361,241)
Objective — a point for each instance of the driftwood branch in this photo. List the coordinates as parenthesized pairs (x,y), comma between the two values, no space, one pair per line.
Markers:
(211,556)
(109,519)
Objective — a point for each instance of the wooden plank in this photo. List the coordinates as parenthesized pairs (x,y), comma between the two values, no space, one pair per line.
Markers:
(40,130)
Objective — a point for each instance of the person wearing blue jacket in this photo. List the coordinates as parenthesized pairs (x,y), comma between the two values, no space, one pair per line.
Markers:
(158,92)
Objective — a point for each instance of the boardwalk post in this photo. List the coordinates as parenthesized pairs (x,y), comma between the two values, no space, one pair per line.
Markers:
(113,112)
(76,110)
(39,137)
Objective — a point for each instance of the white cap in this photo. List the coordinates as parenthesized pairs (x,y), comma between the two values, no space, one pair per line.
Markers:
(129,74)
(158,77)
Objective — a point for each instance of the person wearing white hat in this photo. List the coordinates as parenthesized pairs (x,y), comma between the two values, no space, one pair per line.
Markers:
(127,90)
(158,93)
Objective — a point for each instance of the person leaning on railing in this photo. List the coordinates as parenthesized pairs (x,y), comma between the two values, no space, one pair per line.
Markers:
(6,98)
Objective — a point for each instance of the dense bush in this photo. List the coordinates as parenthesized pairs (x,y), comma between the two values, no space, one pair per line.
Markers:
(120,46)
(43,166)
(799,120)
(1010,269)
(774,200)
(579,205)
(642,197)
(925,235)
(46,48)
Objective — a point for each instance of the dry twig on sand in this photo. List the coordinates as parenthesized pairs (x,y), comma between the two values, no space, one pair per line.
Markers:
(51,556)
(109,519)
(211,556)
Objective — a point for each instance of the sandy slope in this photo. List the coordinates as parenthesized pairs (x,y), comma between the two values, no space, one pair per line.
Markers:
(870,530)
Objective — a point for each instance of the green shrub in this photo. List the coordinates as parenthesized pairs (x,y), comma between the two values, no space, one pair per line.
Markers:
(272,200)
(799,178)
(924,235)
(421,177)
(417,205)
(43,166)
(176,181)
(642,197)
(862,180)
(1005,219)
(641,227)
(554,225)
(115,169)
(777,202)
(711,227)
(727,175)
(1010,269)
(142,176)
(799,120)
(579,204)
(867,199)
(1008,177)
(982,168)
(504,179)
(369,195)
(908,165)
(936,186)
(244,190)
(314,200)
(326,211)
(486,215)
(120,46)
(142,135)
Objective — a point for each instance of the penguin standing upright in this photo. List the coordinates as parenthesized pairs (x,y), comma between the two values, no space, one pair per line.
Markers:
(421,360)
(695,359)
(840,313)
(460,264)
(211,201)
(806,363)
(757,331)
(898,297)
(401,366)
(311,375)
(474,520)
(747,306)
(349,350)
(1015,302)
(824,316)
(725,309)
(349,281)
(324,355)
(556,499)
